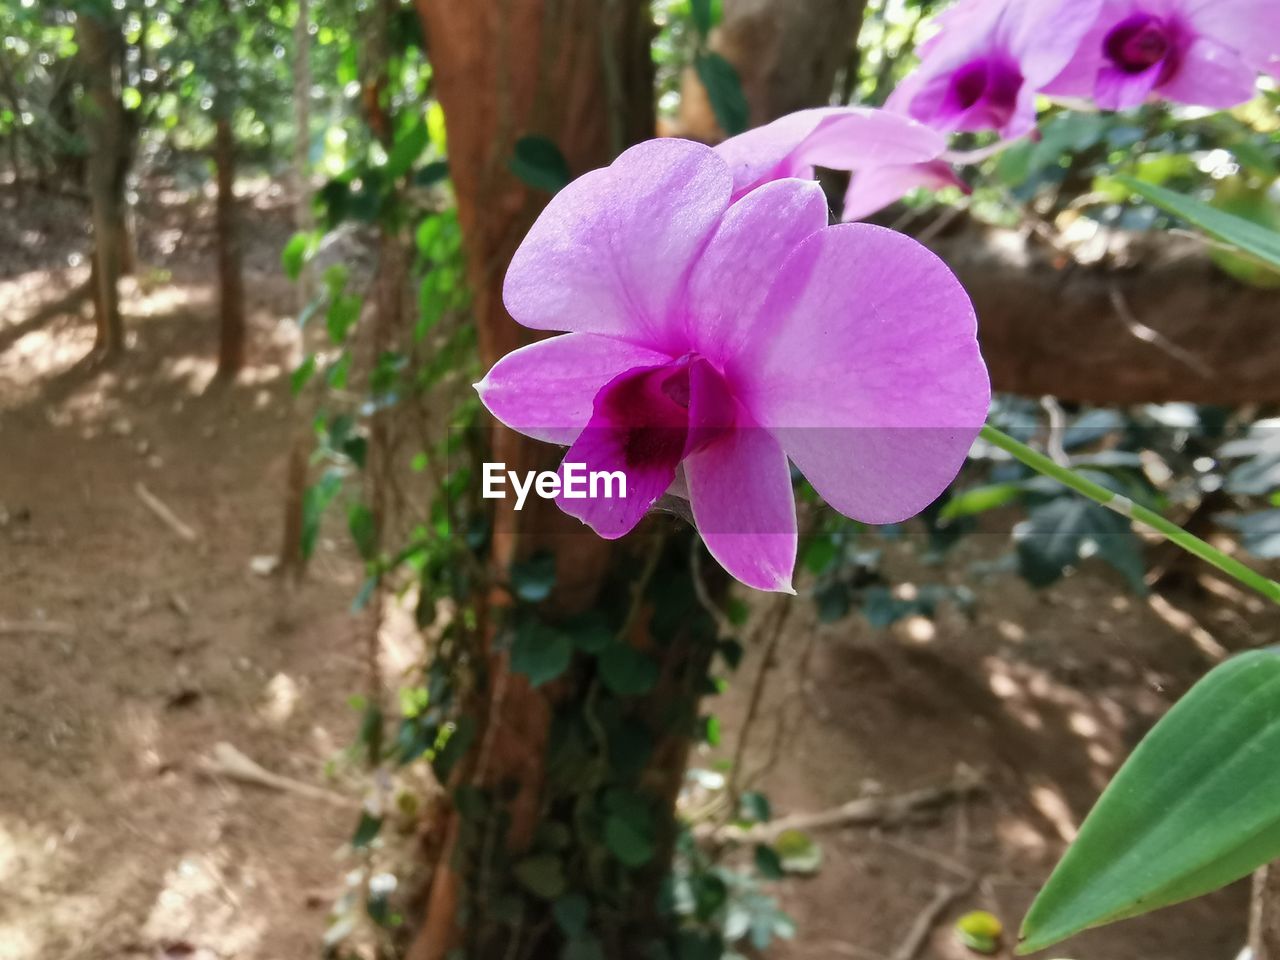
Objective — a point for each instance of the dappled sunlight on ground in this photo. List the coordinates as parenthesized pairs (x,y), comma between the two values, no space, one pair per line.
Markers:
(1043,692)
(130,654)
(141,652)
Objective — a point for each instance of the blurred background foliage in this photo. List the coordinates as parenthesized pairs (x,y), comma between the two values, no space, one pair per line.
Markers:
(392,431)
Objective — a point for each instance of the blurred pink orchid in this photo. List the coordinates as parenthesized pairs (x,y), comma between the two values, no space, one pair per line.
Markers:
(876,187)
(1202,52)
(888,154)
(715,333)
(982,71)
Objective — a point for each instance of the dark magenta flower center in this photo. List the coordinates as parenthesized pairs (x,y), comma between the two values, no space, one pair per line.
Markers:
(659,415)
(983,93)
(1139,42)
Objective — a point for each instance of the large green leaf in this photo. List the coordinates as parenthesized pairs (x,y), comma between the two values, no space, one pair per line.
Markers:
(539,163)
(1196,807)
(724,90)
(1251,238)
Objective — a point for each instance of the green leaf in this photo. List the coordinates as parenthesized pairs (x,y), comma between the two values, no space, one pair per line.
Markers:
(754,807)
(539,163)
(1059,534)
(768,863)
(366,830)
(583,948)
(626,671)
(342,314)
(724,90)
(302,374)
(1196,807)
(798,852)
(703,14)
(431,173)
(571,912)
(1251,238)
(295,253)
(456,745)
(980,931)
(363,530)
(629,838)
(315,499)
(590,632)
(337,374)
(533,579)
(407,148)
(540,652)
(980,500)
(1260,532)
(542,875)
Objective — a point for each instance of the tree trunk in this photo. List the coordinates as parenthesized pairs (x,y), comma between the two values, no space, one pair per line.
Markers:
(1264,914)
(98,40)
(302,215)
(230,267)
(1166,326)
(578,72)
(787,54)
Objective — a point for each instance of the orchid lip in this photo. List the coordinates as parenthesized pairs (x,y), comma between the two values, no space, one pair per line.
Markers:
(1139,43)
(983,93)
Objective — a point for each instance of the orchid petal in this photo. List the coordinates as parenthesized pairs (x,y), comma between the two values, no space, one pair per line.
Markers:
(744,506)
(1211,75)
(874,189)
(1249,27)
(871,137)
(842,138)
(877,389)
(546,390)
(1117,90)
(588,264)
(729,284)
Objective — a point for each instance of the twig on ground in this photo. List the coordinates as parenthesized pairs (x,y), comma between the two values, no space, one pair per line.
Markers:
(165,515)
(773,630)
(849,950)
(949,864)
(227,761)
(724,628)
(1154,337)
(46,627)
(927,919)
(861,812)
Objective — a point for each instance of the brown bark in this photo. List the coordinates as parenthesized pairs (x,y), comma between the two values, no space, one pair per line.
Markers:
(292,562)
(579,73)
(303,217)
(231,328)
(1264,914)
(1167,326)
(787,54)
(98,41)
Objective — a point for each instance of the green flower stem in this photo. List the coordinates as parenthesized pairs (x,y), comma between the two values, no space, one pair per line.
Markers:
(1125,507)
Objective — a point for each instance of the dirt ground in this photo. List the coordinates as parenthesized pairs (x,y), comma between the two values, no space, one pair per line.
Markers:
(130,653)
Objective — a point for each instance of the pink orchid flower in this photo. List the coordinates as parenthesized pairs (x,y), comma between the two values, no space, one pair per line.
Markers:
(715,338)
(982,71)
(1202,52)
